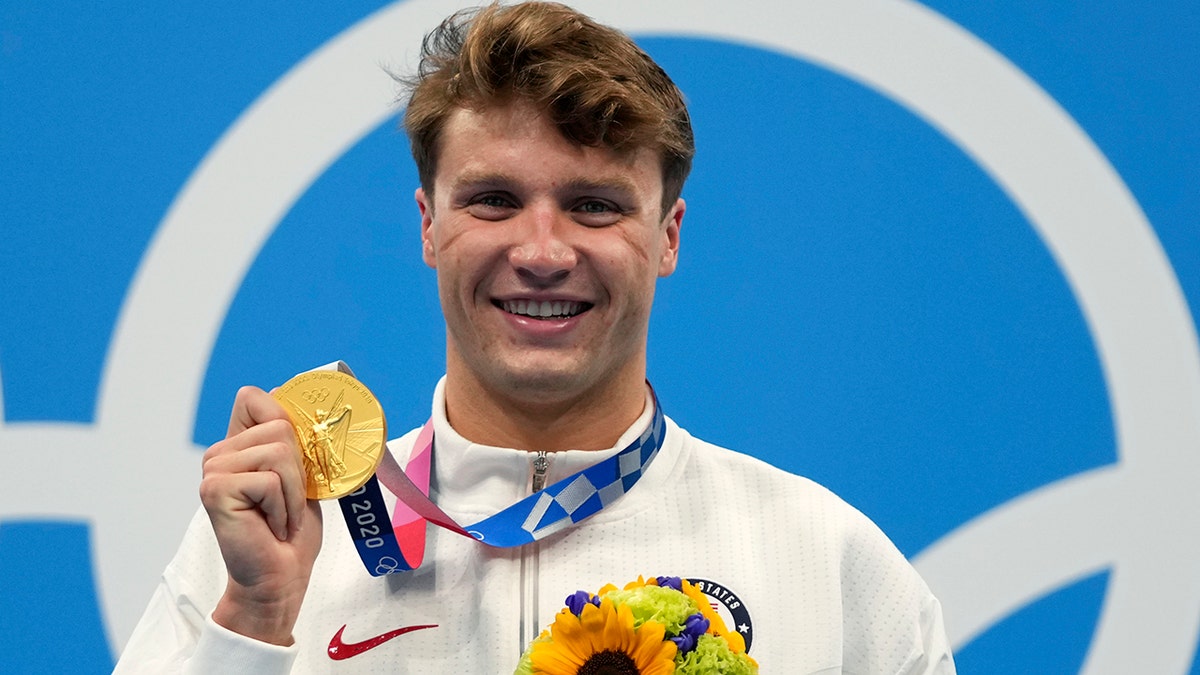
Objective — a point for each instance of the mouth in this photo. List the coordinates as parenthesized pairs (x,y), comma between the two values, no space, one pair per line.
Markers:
(544,310)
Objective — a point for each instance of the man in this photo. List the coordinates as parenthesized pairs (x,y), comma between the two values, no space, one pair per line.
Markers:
(552,153)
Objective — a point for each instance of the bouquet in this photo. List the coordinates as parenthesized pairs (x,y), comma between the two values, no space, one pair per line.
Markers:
(660,626)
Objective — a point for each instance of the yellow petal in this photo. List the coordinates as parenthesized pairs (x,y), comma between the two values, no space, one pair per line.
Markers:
(592,622)
(554,658)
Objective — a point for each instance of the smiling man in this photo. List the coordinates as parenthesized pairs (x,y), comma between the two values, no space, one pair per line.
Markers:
(552,153)
(547,253)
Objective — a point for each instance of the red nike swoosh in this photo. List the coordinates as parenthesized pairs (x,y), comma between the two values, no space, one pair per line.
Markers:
(339,650)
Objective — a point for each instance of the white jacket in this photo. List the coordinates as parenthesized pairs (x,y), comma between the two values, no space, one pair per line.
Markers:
(814,584)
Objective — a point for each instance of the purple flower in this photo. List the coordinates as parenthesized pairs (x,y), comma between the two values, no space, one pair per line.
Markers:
(578,599)
(670,582)
(695,626)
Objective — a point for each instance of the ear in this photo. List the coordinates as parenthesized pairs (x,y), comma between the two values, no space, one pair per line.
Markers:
(672,222)
(425,206)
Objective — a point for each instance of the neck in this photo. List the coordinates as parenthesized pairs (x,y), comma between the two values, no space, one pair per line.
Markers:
(538,421)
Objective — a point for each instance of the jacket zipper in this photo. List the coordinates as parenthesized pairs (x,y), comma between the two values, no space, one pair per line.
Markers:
(531,625)
(541,462)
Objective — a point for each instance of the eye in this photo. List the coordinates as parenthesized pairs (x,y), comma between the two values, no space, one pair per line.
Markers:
(594,206)
(596,212)
(491,206)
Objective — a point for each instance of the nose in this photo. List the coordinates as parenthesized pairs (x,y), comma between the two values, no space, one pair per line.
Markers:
(541,253)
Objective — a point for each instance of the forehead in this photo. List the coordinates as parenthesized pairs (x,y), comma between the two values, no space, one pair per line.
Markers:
(519,140)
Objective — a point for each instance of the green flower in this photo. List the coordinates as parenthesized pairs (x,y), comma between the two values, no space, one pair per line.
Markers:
(652,603)
(712,656)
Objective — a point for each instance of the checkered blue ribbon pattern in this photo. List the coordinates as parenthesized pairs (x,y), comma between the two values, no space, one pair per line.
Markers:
(550,510)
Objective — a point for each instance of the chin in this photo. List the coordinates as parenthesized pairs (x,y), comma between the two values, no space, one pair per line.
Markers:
(543,382)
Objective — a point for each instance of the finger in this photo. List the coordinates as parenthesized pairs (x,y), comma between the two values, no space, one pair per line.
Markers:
(263,489)
(273,431)
(296,497)
(283,459)
(274,507)
(225,495)
(253,406)
(277,457)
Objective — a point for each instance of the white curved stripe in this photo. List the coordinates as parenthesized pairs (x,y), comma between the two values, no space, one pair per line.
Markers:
(1112,517)
(1011,556)
(135,509)
(1154,591)
(233,201)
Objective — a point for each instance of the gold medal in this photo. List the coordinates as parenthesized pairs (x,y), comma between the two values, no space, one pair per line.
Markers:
(339,427)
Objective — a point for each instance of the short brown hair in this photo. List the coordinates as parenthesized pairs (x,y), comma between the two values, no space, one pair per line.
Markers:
(593,82)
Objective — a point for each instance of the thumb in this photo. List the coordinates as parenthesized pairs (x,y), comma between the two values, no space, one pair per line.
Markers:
(253,406)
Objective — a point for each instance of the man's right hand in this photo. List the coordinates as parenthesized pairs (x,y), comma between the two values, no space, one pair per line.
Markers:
(269,533)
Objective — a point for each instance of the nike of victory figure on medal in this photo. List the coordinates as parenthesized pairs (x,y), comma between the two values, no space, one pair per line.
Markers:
(339,427)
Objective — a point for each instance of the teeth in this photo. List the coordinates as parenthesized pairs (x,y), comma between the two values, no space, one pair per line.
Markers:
(544,309)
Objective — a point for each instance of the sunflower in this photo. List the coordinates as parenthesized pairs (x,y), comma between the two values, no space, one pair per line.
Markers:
(601,640)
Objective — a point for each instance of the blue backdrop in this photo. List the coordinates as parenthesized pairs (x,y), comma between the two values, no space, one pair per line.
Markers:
(863,297)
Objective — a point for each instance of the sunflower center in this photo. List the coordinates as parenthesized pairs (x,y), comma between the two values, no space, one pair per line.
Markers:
(609,663)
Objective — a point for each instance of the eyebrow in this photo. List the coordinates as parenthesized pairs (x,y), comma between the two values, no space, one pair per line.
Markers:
(618,183)
(482,178)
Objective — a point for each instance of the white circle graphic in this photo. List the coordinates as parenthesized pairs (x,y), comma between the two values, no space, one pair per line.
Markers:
(1132,517)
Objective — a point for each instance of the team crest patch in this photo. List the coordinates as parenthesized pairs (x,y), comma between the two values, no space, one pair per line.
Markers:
(729,607)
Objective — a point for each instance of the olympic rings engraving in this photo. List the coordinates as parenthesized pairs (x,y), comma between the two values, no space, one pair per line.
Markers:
(315,395)
(387,565)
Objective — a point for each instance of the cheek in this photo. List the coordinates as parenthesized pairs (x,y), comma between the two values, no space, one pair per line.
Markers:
(453,278)
(465,263)
(630,281)
(638,250)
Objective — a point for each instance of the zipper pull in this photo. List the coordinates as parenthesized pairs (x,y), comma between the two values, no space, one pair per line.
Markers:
(541,462)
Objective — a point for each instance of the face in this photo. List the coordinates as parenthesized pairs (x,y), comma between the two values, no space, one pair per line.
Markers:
(547,255)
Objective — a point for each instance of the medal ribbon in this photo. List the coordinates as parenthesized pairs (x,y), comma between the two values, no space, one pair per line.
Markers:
(539,515)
